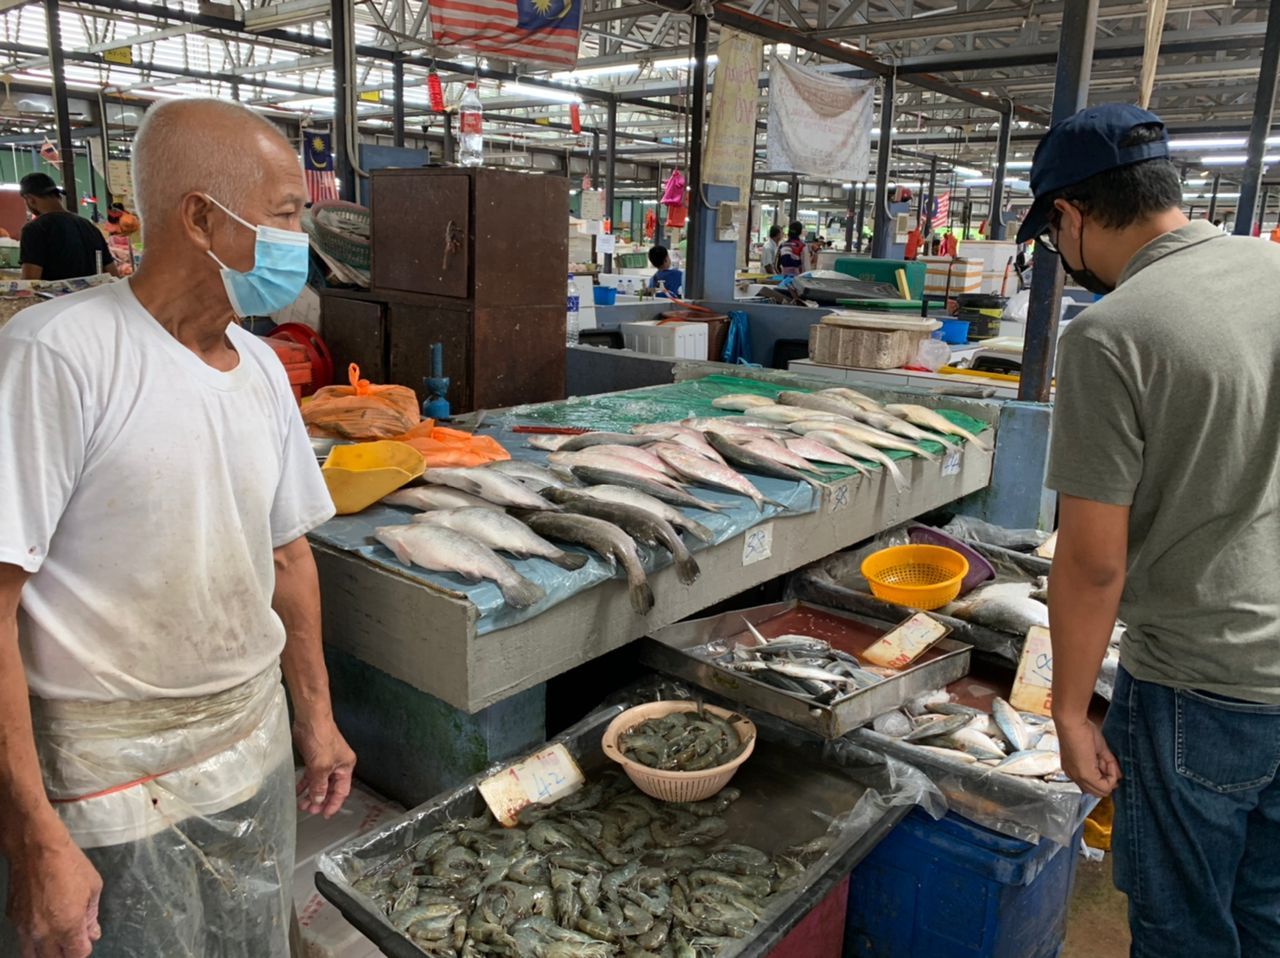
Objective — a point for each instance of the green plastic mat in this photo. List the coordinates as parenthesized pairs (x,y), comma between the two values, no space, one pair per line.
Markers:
(618,412)
(883,305)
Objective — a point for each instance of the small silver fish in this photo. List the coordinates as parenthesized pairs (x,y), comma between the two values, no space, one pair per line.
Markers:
(1035,764)
(1011,724)
(943,725)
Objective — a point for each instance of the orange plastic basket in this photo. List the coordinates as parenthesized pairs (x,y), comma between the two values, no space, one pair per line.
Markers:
(916,576)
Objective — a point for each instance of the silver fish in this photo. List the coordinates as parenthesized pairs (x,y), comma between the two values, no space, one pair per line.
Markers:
(681,436)
(443,550)
(852,396)
(499,531)
(618,475)
(823,402)
(488,485)
(923,702)
(975,743)
(780,453)
(943,725)
(954,755)
(789,414)
(574,443)
(656,507)
(535,476)
(1011,725)
(735,428)
(600,537)
(1035,764)
(953,708)
(818,432)
(426,498)
(860,432)
(704,471)
(741,401)
(1004,609)
(811,450)
(928,419)
(887,422)
(760,463)
(597,459)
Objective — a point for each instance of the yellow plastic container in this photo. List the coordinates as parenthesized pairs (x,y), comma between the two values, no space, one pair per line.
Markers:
(668,786)
(916,576)
(359,475)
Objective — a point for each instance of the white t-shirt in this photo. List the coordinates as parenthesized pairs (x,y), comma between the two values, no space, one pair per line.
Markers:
(769,255)
(145,491)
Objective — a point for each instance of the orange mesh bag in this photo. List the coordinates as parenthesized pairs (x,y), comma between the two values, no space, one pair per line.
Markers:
(443,448)
(361,410)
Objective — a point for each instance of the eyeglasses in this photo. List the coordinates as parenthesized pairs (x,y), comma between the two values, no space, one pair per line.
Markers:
(1046,237)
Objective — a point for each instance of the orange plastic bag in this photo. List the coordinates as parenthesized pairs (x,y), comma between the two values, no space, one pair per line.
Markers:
(442,448)
(362,410)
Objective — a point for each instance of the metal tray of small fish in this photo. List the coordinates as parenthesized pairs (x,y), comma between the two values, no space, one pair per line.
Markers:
(792,795)
(679,650)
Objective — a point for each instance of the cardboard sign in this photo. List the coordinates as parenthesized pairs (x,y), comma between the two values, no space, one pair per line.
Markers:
(544,777)
(1047,549)
(592,205)
(1033,685)
(120,55)
(606,243)
(904,644)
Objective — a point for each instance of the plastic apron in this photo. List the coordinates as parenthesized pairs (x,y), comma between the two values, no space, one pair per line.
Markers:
(186,808)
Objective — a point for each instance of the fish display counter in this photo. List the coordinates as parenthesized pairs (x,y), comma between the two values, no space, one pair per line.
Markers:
(472,651)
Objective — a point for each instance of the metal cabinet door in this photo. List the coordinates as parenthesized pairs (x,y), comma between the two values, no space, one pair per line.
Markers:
(422,234)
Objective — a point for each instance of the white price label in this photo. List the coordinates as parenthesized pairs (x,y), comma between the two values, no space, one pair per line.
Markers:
(757,544)
(606,243)
(544,777)
(1033,685)
(840,496)
(904,644)
(951,463)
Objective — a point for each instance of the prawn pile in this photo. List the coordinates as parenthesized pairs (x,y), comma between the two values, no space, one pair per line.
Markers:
(682,742)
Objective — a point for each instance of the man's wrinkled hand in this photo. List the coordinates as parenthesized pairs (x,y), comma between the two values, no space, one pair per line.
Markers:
(53,901)
(1086,757)
(329,763)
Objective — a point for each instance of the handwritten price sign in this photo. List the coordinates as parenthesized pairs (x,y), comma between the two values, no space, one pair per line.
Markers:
(757,544)
(1033,685)
(544,777)
(903,645)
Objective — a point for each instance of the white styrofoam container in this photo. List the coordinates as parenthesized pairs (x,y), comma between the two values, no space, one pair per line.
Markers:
(993,253)
(671,340)
(956,277)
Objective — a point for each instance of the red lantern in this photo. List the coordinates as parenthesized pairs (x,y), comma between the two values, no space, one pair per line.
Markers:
(435,92)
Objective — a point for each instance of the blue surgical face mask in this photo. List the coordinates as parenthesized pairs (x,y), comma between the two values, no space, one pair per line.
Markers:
(280,263)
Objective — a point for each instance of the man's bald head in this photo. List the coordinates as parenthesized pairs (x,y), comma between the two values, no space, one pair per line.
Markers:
(201,146)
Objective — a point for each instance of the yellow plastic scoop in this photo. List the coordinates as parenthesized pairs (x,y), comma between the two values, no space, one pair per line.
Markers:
(361,474)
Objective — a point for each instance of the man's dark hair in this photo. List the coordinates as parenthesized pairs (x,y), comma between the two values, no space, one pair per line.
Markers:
(775,231)
(795,230)
(658,255)
(1121,197)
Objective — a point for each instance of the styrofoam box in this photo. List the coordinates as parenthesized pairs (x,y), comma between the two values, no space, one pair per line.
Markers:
(672,340)
(993,253)
(953,277)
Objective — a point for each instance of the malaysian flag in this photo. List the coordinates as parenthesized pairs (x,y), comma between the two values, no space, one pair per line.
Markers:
(317,166)
(536,31)
(941,210)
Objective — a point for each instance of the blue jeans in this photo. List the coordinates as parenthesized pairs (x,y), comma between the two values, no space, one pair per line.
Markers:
(1197,824)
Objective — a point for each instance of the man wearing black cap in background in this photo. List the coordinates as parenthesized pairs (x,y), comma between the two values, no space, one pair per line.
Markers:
(58,244)
(1166,456)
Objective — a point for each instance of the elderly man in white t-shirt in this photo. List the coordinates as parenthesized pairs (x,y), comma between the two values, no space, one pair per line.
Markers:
(156,486)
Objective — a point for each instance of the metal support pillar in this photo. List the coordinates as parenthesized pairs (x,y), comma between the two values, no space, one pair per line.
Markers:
(340,11)
(397,113)
(848,222)
(933,192)
(235,90)
(449,149)
(1263,108)
(793,199)
(883,228)
(610,169)
(1213,197)
(968,213)
(862,212)
(1070,93)
(995,217)
(695,269)
(63,116)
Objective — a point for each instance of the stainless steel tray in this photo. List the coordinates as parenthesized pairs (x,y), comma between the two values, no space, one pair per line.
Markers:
(669,650)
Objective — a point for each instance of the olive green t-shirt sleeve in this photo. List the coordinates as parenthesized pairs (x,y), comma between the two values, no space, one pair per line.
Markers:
(1097,442)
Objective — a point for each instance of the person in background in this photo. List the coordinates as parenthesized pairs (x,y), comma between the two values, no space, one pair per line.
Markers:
(791,254)
(58,244)
(156,488)
(769,254)
(666,281)
(1165,453)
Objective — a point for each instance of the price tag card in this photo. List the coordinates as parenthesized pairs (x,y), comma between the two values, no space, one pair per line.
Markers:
(606,243)
(840,496)
(757,544)
(1033,685)
(904,644)
(592,205)
(544,777)
(1047,549)
(951,463)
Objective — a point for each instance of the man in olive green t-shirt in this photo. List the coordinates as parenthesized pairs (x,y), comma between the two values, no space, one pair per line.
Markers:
(1166,456)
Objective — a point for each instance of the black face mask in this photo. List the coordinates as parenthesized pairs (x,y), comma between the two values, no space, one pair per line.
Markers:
(1084,276)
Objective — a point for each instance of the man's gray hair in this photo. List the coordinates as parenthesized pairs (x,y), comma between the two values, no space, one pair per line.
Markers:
(173,156)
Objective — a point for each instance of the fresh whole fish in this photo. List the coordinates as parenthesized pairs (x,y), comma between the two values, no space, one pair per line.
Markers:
(1007,607)
(814,451)
(750,460)
(780,453)
(584,440)
(839,441)
(950,753)
(427,498)
(823,402)
(927,701)
(946,707)
(619,476)
(790,414)
(501,532)
(887,422)
(940,726)
(655,507)
(741,401)
(853,396)
(488,485)
(733,428)
(598,459)
(681,436)
(1011,725)
(860,432)
(444,550)
(536,477)
(696,469)
(640,524)
(636,454)
(976,743)
(1033,764)
(928,419)
(604,539)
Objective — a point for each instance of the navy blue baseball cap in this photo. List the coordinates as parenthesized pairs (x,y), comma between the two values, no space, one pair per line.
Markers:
(1082,146)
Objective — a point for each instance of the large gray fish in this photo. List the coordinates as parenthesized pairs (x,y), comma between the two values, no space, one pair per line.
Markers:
(781,453)
(641,525)
(937,727)
(499,531)
(1011,725)
(586,440)
(742,402)
(696,469)
(861,432)
(850,446)
(853,396)
(643,457)
(536,477)
(1005,606)
(817,452)
(444,550)
(680,435)
(755,461)
(426,498)
(618,475)
(894,425)
(785,415)
(603,538)
(822,402)
(1032,764)
(599,459)
(652,505)
(736,428)
(927,418)
(488,485)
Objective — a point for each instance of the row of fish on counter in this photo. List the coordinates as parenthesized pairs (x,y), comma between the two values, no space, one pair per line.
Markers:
(1015,743)
(607,491)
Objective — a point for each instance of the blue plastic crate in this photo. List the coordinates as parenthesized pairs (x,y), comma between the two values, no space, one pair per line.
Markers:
(952,889)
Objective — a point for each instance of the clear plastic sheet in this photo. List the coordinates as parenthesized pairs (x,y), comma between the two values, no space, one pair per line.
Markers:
(186,808)
(795,790)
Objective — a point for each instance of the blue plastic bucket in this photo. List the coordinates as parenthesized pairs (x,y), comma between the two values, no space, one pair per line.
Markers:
(608,295)
(955,331)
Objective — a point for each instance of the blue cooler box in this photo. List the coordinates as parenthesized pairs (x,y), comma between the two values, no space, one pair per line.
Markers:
(952,889)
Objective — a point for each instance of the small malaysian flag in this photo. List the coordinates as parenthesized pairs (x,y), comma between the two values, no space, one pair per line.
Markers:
(535,31)
(941,210)
(317,166)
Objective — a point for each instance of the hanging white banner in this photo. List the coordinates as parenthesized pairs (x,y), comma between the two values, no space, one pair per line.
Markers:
(819,125)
